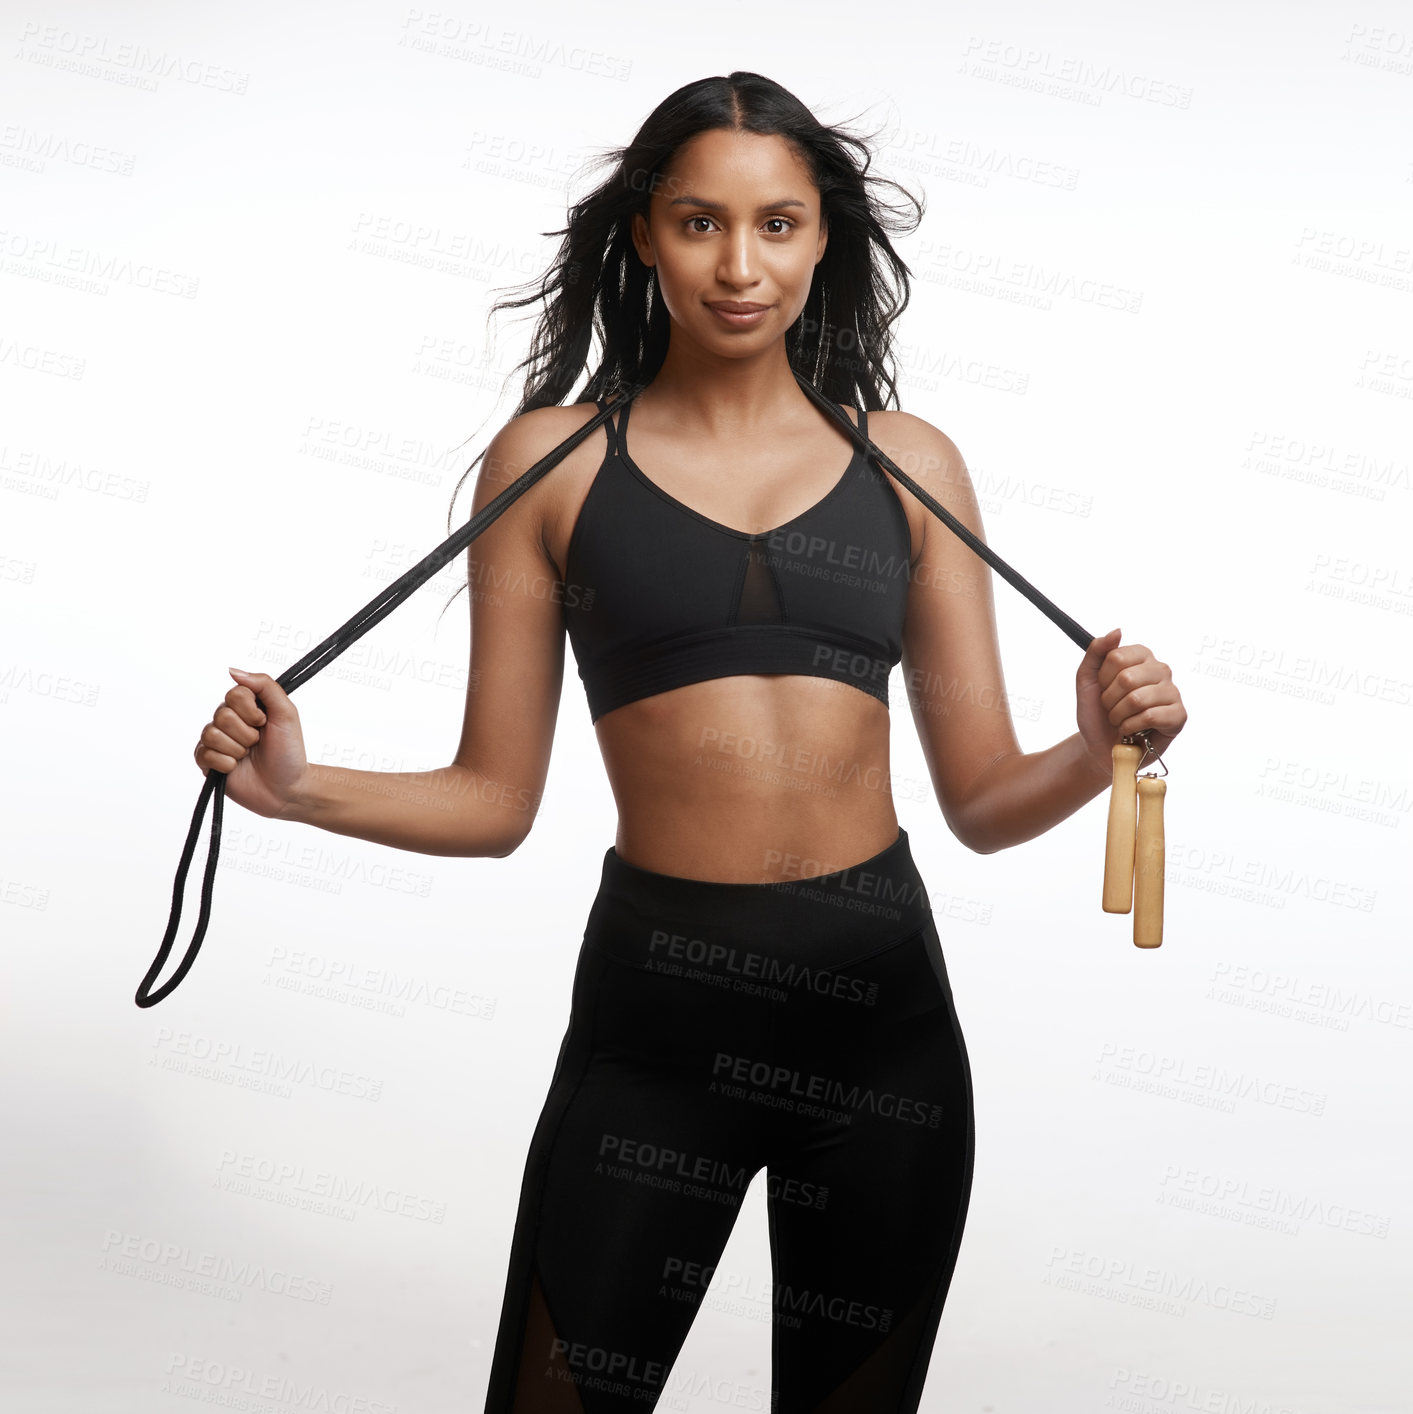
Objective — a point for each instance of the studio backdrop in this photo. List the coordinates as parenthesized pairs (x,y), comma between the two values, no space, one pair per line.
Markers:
(1162,302)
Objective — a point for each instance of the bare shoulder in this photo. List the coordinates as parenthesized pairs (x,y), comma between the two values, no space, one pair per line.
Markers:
(928,456)
(531,436)
(553,502)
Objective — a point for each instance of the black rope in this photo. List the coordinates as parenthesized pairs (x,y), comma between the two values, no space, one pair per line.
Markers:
(1046,607)
(213,789)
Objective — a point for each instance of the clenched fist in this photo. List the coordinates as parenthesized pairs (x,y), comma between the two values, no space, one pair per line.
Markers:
(259,748)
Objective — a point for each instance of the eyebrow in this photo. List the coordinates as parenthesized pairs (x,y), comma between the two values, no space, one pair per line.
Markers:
(721,206)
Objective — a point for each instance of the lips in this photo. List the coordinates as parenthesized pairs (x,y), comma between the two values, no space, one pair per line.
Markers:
(735,307)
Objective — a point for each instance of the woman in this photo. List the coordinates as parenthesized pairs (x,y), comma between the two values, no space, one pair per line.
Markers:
(760,983)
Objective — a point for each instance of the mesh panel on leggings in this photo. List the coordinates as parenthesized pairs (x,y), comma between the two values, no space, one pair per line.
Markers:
(543,1384)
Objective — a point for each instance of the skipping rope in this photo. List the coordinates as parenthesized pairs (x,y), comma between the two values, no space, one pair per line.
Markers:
(1127,840)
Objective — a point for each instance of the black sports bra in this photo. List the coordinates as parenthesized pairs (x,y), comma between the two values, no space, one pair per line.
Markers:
(658,595)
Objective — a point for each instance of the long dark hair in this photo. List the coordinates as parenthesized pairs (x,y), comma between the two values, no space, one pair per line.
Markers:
(842,340)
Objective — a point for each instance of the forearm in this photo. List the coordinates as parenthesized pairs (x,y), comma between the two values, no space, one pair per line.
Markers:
(450,811)
(1020,797)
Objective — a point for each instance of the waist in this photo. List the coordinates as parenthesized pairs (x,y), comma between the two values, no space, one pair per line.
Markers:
(788,748)
(645,918)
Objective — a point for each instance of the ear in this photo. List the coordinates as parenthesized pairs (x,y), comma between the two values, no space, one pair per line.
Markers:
(823,239)
(642,242)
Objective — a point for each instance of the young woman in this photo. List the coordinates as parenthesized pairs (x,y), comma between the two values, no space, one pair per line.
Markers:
(760,983)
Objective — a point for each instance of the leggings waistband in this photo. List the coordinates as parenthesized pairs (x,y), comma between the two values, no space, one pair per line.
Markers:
(824,919)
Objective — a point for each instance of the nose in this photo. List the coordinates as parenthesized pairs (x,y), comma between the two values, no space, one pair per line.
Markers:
(738,260)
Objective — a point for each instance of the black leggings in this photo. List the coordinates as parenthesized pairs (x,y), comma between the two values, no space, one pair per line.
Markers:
(805,1026)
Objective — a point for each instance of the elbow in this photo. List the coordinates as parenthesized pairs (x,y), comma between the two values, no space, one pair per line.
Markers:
(978,844)
(497,818)
(503,848)
(975,816)
(960,827)
(967,833)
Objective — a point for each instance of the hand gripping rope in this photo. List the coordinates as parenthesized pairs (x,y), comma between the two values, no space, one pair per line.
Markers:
(1149,827)
(1134,849)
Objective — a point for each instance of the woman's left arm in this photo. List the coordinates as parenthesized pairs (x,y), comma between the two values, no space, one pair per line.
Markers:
(1120,688)
(992,794)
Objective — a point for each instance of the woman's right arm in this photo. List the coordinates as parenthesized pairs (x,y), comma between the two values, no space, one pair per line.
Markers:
(485,801)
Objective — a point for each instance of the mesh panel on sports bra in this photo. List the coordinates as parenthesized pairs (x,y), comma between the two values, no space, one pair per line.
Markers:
(760,601)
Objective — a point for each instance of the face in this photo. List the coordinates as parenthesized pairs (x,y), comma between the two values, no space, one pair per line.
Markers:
(733,219)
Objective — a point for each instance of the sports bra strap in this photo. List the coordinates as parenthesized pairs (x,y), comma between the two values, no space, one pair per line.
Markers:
(608,428)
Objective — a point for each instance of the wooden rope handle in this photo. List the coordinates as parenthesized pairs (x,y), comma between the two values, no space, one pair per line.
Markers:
(1148,864)
(1123,817)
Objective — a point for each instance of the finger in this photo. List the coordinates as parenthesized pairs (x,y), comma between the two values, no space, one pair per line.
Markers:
(1142,702)
(1154,720)
(235,726)
(1131,675)
(214,739)
(209,760)
(260,683)
(1121,658)
(242,701)
(1101,645)
(1095,653)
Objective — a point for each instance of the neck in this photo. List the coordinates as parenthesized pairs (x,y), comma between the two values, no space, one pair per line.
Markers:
(711,395)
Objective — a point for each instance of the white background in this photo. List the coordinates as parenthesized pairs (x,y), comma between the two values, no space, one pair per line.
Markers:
(1163,303)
